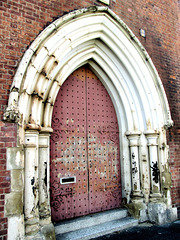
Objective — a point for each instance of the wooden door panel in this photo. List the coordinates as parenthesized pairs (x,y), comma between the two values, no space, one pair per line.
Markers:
(85,166)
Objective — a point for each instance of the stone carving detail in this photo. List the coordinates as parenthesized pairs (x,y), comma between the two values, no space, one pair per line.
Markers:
(11,114)
(169,124)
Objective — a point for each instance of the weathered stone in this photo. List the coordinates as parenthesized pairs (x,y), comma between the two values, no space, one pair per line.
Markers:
(11,114)
(17,183)
(166,180)
(172,214)
(14,203)
(49,232)
(16,227)
(45,221)
(138,210)
(32,227)
(157,213)
(15,158)
(35,236)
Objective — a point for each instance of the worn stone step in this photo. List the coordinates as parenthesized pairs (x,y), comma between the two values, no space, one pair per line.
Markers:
(98,230)
(89,220)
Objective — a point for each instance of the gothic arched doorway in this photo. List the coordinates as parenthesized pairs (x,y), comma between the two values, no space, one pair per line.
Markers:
(98,37)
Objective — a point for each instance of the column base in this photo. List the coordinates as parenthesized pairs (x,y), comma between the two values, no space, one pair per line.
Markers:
(155,197)
(159,213)
(137,196)
(37,236)
(138,210)
(45,221)
(47,232)
(32,226)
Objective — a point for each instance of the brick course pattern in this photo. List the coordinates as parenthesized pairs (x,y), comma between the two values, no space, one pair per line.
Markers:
(21,21)
(7,139)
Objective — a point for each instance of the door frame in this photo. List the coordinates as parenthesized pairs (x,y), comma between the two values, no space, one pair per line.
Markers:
(124,67)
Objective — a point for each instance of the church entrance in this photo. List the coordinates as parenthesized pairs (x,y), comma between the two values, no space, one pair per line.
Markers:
(85,160)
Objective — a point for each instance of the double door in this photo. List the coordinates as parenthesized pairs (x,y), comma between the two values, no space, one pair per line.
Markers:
(85,162)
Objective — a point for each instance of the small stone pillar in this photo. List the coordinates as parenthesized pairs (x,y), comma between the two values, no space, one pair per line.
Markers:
(31,210)
(136,207)
(152,143)
(44,198)
(46,227)
(133,138)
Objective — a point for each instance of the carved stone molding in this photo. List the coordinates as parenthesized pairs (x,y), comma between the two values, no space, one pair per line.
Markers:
(169,124)
(12,114)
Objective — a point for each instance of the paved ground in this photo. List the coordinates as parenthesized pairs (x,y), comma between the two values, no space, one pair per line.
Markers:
(147,232)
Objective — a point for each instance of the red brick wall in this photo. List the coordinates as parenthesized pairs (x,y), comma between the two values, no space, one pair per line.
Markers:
(22,20)
(7,139)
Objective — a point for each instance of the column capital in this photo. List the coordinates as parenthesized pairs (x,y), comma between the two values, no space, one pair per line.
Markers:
(31,138)
(133,134)
(32,126)
(45,130)
(152,137)
(133,138)
(151,133)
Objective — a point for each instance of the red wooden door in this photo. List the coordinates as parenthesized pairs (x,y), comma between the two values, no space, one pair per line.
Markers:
(85,164)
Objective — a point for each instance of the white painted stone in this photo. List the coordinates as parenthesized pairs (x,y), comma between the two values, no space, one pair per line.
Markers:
(41,85)
(44,197)
(105,1)
(152,138)
(30,78)
(31,182)
(16,227)
(36,108)
(135,163)
(43,35)
(41,58)
(21,70)
(15,158)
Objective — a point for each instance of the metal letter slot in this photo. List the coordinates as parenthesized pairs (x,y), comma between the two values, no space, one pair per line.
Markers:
(67,180)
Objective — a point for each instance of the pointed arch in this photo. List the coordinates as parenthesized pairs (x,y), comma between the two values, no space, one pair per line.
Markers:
(98,37)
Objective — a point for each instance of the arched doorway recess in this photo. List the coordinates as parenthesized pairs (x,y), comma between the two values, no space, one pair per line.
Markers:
(98,37)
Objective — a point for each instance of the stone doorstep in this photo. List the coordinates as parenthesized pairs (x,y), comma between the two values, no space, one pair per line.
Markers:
(89,220)
(99,230)
(94,225)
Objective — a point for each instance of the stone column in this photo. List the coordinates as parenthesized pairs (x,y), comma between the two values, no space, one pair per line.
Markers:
(44,198)
(47,228)
(31,183)
(135,164)
(157,209)
(152,142)
(137,207)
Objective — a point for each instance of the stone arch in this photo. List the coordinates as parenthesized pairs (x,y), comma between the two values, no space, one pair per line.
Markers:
(98,37)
